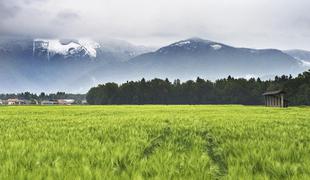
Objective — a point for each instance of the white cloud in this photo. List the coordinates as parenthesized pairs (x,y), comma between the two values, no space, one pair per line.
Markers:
(255,23)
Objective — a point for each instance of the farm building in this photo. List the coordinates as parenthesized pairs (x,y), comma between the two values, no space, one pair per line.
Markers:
(16,102)
(65,101)
(48,102)
(3,102)
(275,99)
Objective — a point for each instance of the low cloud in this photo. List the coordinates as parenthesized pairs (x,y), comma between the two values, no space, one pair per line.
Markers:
(280,24)
(66,17)
(7,10)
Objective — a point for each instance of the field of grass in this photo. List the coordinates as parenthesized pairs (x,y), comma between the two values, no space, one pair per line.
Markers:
(154,142)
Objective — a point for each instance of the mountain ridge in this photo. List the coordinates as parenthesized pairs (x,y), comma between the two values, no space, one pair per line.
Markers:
(119,62)
(201,56)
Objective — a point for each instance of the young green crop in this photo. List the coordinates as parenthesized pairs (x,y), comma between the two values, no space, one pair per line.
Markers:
(154,142)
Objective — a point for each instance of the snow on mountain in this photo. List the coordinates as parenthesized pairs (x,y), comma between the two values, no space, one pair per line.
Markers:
(192,44)
(204,58)
(51,49)
(302,56)
(299,54)
(90,46)
(181,43)
(71,47)
(305,63)
(118,61)
(216,46)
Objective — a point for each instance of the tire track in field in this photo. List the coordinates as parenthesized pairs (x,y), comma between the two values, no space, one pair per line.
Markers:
(212,149)
(156,142)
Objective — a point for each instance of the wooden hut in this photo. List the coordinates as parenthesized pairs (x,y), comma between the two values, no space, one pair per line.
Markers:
(275,99)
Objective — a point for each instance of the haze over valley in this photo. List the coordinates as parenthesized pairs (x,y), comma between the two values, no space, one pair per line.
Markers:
(75,65)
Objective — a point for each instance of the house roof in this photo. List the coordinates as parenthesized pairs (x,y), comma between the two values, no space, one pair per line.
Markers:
(274,92)
(15,100)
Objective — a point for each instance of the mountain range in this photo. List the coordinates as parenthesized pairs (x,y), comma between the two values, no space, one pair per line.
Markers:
(75,65)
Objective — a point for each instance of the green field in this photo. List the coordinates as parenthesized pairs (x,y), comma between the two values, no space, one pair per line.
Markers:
(154,142)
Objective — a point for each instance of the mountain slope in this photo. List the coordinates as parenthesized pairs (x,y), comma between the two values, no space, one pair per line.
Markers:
(59,65)
(197,57)
(103,50)
(301,55)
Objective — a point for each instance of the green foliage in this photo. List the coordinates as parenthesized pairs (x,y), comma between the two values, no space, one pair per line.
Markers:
(223,91)
(154,142)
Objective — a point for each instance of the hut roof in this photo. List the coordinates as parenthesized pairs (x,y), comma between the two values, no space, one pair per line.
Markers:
(274,92)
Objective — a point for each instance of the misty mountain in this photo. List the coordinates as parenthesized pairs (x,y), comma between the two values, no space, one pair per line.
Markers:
(194,57)
(301,55)
(106,50)
(75,65)
(59,64)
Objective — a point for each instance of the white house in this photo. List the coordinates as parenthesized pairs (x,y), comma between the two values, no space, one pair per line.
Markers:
(48,102)
(15,102)
(65,101)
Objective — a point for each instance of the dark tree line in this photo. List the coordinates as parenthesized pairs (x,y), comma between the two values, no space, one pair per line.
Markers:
(224,91)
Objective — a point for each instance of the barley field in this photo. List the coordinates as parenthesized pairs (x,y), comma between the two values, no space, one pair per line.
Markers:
(154,142)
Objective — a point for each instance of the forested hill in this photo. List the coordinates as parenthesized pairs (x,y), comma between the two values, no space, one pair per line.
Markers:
(224,91)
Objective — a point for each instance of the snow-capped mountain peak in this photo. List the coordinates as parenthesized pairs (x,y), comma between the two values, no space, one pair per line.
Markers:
(192,41)
(66,48)
(90,46)
(191,45)
(181,43)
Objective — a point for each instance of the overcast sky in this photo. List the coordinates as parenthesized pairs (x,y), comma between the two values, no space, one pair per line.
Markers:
(283,24)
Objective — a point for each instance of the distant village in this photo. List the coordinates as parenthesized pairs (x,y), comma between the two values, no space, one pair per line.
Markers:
(16,101)
(27,98)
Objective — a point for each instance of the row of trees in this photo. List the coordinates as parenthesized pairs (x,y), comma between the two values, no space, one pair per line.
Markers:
(224,91)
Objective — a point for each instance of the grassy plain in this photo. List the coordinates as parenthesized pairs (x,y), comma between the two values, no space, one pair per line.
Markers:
(154,142)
